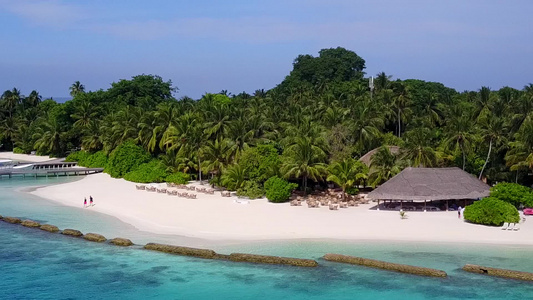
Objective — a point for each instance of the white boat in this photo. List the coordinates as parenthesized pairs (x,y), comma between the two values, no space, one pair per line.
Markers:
(6,164)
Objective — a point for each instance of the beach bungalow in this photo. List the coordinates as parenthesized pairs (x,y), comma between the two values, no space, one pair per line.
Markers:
(413,188)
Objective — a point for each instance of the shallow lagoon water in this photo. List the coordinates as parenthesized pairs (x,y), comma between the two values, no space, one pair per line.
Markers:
(39,265)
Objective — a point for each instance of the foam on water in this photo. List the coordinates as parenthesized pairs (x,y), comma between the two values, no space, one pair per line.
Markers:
(40,265)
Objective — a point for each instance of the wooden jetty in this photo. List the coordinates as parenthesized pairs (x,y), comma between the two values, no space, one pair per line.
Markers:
(57,167)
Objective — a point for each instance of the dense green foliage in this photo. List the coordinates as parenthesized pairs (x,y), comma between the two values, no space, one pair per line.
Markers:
(126,158)
(96,160)
(278,190)
(347,173)
(320,115)
(491,211)
(250,189)
(178,178)
(18,150)
(89,160)
(513,193)
(259,162)
(153,171)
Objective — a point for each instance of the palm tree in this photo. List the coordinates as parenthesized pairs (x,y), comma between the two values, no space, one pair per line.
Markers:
(32,100)
(382,81)
(22,137)
(400,103)
(92,139)
(76,88)
(417,149)
(48,137)
(8,127)
(187,137)
(11,100)
(84,113)
(493,130)
(233,177)
(383,166)
(305,160)
(459,130)
(217,155)
(347,173)
(520,154)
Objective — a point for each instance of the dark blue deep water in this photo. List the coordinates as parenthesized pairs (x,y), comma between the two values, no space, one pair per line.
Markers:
(39,265)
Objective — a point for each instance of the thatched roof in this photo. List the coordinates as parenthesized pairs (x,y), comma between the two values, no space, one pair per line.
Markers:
(419,184)
(367,158)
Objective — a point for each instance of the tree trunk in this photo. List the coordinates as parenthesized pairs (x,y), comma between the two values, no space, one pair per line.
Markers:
(399,123)
(343,194)
(487,160)
(463,151)
(305,185)
(199,167)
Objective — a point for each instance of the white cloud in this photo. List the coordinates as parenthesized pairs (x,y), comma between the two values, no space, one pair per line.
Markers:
(44,13)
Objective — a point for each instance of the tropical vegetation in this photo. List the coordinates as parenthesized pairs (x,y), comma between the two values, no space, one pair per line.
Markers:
(491,211)
(310,129)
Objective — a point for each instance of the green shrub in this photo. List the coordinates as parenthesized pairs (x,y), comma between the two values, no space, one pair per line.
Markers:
(258,162)
(178,178)
(352,190)
(78,156)
(513,193)
(86,159)
(126,158)
(18,150)
(251,189)
(153,171)
(96,160)
(278,190)
(491,211)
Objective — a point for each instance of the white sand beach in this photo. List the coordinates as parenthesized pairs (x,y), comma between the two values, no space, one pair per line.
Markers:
(24,157)
(214,217)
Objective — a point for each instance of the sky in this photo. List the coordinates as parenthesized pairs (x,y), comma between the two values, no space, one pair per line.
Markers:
(243,45)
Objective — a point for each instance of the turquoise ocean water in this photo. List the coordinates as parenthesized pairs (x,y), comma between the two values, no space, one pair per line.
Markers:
(39,265)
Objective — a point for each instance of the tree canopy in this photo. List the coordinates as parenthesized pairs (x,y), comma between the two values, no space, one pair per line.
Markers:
(310,129)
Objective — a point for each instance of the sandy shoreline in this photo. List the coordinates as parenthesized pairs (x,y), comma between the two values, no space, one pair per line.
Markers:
(24,157)
(216,218)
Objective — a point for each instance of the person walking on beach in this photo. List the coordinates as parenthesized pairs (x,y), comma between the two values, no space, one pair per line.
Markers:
(85,203)
(90,200)
(459,212)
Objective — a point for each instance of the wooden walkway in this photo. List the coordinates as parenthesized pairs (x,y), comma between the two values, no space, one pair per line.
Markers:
(48,172)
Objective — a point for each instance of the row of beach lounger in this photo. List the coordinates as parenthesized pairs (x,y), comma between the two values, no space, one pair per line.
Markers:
(511,226)
(176,193)
(191,188)
(325,203)
(165,191)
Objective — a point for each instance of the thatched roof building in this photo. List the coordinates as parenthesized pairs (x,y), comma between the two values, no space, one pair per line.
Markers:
(421,184)
(367,158)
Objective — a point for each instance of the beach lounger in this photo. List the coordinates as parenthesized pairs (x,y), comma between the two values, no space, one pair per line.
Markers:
(505,226)
(516,227)
(333,207)
(511,226)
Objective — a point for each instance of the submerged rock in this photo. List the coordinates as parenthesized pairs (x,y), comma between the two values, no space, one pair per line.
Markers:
(121,242)
(30,223)
(186,251)
(12,220)
(384,265)
(72,232)
(49,228)
(95,237)
(276,260)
